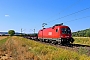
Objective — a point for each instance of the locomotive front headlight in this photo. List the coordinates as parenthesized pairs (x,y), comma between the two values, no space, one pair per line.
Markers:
(66,36)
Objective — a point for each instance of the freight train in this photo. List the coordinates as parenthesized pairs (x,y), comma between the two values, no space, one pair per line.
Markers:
(58,34)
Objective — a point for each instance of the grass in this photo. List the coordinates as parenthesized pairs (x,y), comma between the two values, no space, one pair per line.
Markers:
(15,50)
(3,37)
(24,49)
(2,41)
(82,50)
(47,52)
(82,40)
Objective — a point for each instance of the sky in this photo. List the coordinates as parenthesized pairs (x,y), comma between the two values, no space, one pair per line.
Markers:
(31,14)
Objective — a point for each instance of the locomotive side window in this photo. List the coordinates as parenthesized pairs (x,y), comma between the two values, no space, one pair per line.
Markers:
(56,30)
(66,31)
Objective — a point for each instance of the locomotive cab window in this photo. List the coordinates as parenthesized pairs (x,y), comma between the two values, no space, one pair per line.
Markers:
(56,30)
(66,30)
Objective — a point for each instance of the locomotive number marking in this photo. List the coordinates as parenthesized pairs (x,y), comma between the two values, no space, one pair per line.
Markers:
(50,33)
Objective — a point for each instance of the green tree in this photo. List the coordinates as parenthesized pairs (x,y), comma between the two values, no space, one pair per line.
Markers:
(82,33)
(11,32)
(88,33)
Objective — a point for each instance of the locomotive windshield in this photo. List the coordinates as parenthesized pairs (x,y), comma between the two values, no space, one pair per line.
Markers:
(66,31)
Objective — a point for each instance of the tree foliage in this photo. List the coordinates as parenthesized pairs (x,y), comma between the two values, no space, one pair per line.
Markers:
(11,32)
(82,33)
(88,33)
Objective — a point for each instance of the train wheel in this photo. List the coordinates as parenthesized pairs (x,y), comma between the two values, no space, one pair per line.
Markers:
(59,42)
(47,41)
(54,42)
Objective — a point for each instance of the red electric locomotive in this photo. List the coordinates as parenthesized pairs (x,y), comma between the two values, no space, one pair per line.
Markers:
(57,34)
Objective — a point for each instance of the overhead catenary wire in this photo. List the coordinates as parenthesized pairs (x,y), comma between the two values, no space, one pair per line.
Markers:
(70,6)
(77,19)
(70,14)
(67,8)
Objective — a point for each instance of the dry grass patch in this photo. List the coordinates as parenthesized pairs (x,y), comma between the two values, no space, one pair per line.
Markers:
(3,37)
(14,50)
(82,40)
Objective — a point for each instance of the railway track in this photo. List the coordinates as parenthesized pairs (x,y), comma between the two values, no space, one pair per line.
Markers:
(85,49)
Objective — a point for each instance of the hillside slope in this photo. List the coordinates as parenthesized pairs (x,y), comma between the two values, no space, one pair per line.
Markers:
(82,33)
